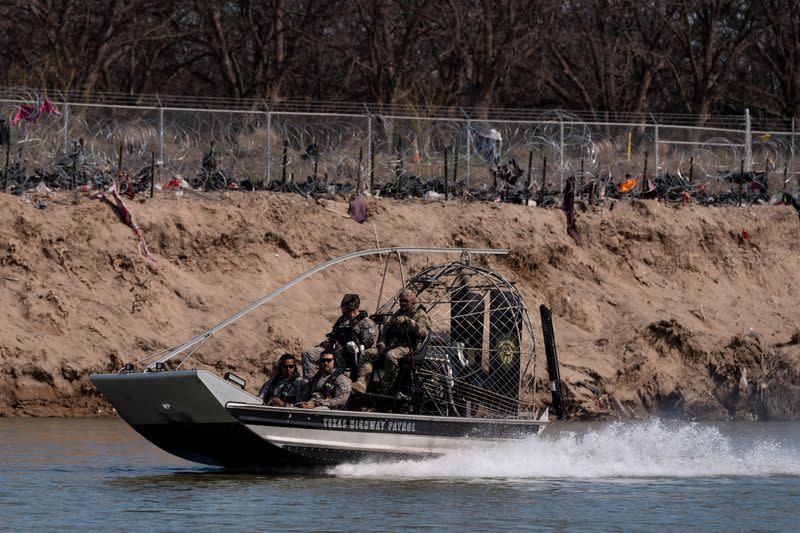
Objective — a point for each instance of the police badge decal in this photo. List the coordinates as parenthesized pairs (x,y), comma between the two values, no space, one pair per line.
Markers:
(506,348)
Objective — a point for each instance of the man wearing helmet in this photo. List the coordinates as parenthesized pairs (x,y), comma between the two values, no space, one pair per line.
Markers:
(352,329)
(405,331)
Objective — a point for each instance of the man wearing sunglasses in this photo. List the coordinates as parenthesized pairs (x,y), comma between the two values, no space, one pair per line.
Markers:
(286,387)
(329,388)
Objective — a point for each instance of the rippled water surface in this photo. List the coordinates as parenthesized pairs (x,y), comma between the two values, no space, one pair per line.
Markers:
(87,474)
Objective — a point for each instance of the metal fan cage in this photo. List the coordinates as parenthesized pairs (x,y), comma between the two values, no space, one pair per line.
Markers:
(479,359)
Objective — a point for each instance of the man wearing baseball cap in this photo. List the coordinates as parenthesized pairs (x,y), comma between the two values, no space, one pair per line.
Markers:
(353,326)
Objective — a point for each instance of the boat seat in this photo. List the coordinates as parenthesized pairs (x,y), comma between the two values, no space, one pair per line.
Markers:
(417,355)
(409,363)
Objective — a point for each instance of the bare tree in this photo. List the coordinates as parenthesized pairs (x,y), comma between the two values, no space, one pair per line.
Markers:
(387,40)
(775,69)
(602,56)
(684,56)
(710,37)
(75,44)
(480,46)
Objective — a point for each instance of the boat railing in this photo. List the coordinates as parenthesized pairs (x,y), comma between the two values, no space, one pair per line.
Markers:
(189,346)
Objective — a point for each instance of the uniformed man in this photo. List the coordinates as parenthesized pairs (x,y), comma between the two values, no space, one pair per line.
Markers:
(330,387)
(286,387)
(404,332)
(352,326)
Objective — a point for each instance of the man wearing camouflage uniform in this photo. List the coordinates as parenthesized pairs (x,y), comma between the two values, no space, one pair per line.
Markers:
(285,388)
(353,325)
(404,332)
(330,388)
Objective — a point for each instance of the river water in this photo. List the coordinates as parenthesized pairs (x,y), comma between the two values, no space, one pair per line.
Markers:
(98,474)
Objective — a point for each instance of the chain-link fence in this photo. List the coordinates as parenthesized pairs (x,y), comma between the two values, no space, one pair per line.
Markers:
(390,154)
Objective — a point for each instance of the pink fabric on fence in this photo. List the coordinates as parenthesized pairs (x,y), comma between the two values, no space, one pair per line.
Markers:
(31,113)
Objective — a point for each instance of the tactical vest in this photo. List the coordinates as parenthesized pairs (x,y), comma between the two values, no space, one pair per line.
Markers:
(284,389)
(344,330)
(328,389)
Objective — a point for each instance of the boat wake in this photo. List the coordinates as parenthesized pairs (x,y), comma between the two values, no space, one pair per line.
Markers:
(619,450)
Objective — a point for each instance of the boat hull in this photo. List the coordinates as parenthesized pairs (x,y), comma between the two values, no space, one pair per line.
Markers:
(202,418)
(331,437)
(183,413)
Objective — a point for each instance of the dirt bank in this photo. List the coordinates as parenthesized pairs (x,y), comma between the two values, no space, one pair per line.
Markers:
(660,310)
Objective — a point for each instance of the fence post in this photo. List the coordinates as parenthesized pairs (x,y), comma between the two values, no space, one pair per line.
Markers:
(561,154)
(469,156)
(791,160)
(528,183)
(152,173)
(455,166)
(66,128)
(267,151)
(360,177)
(446,176)
(655,156)
(161,137)
(748,143)
(630,139)
(741,186)
(370,166)
(544,175)
(285,161)
(644,173)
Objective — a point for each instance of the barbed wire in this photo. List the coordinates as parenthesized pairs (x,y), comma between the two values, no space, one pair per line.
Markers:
(103,98)
(394,155)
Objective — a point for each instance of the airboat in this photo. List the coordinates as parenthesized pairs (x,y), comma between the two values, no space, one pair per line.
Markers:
(471,383)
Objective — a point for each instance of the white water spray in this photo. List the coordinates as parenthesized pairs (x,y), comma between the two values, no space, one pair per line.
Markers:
(618,450)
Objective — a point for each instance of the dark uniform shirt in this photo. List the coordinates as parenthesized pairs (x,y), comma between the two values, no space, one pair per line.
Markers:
(291,390)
